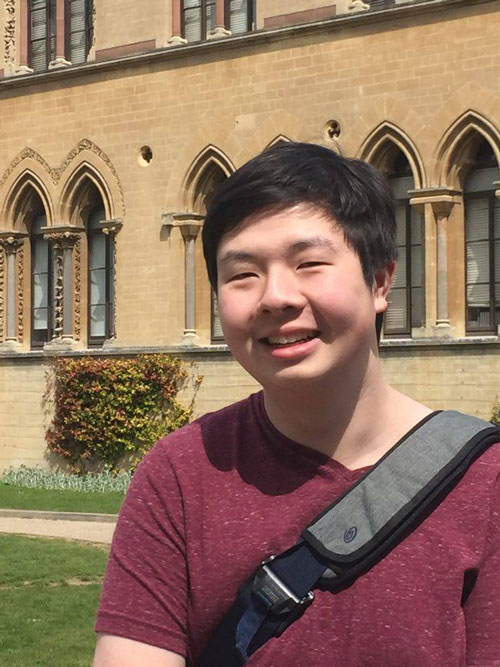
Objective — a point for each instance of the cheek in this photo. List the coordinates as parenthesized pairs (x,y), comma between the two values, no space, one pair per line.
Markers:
(234,315)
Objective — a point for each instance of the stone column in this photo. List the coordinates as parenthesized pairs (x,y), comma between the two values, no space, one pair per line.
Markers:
(111,228)
(220,29)
(12,243)
(23,67)
(189,225)
(63,239)
(60,59)
(177,38)
(441,201)
(442,211)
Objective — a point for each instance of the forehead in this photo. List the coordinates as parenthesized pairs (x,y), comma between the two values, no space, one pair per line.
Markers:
(301,225)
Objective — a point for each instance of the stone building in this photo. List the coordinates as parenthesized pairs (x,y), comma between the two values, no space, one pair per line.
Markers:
(119,119)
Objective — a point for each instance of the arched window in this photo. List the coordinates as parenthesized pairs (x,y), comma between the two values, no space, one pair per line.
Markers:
(482,243)
(100,278)
(42,282)
(406,299)
(206,188)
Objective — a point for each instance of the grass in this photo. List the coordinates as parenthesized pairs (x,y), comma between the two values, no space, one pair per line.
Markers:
(49,591)
(18,497)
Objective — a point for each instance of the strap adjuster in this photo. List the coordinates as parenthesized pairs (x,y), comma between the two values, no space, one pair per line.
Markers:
(277,597)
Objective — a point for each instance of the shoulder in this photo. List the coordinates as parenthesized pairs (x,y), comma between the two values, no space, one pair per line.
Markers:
(192,445)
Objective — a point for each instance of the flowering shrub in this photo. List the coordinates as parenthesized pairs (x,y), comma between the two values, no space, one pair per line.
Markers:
(110,411)
(38,478)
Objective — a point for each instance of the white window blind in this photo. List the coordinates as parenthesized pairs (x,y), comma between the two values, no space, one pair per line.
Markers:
(217,333)
(192,20)
(78,27)
(238,16)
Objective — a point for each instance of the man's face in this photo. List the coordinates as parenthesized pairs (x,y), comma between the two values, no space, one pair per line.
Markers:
(293,301)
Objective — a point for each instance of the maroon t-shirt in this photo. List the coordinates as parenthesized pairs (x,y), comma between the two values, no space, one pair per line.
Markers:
(216,497)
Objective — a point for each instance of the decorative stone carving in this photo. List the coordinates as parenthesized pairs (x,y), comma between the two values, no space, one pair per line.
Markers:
(63,239)
(20,293)
(358,6)
(13,308)
(2,293)
(78,289)
(55,173)
(10,31)
(58,288)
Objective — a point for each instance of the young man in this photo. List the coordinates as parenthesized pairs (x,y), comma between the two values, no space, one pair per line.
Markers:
(300,245)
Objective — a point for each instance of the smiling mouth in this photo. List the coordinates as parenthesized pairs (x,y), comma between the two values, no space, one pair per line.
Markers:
(291,339)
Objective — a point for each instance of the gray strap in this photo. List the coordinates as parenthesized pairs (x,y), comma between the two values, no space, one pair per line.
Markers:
(358,516)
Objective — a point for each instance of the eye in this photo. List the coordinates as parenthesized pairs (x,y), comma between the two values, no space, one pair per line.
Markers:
(311,265)
(241,276)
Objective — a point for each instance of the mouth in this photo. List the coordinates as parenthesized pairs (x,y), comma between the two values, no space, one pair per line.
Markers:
(290,339)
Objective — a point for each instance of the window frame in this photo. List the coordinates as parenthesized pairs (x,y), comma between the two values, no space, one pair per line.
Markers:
(227,14)
(250,13)
(88,29)
(97,341)
(494,319)
(48,22)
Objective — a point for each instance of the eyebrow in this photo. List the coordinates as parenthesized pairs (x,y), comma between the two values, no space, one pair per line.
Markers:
(293,249)
(312,242)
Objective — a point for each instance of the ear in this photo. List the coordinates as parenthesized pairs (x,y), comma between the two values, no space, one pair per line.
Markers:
(382,283)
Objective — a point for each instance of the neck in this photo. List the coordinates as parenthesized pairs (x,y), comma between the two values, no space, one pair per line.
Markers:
(352,419)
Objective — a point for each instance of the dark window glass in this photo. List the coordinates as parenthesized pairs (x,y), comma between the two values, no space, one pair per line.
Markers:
(42,281)
(482,243)
(100,279)
(406,298)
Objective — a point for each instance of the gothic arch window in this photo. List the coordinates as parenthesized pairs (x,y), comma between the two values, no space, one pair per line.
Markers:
(406,299)
(482,243)
(208,183)
(42,279)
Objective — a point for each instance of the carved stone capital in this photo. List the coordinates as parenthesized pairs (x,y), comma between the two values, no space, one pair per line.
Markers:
(176,40)
(59,62)
(11,240)
(497,191)
(188,223)
(218,32)
(64,235)
(111,227)
(358,6)
(442,200)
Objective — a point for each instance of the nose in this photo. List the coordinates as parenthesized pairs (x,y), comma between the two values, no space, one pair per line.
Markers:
(280,292)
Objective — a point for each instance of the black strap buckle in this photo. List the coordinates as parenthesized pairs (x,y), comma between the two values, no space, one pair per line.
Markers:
(278,599)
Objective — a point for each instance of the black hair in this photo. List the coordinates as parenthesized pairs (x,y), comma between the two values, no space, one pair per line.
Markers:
(350,192)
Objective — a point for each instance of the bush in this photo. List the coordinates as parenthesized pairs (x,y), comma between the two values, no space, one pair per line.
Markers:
(37,478)
(109,412)
(495,417)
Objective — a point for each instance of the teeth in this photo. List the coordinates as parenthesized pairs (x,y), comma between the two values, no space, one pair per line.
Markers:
(293,338)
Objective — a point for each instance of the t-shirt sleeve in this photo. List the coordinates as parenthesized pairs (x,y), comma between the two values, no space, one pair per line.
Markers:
(145,585)
(482,609)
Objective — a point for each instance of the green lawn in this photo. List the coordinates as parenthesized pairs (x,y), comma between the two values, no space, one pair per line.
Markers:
(49,590)
(19,497)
